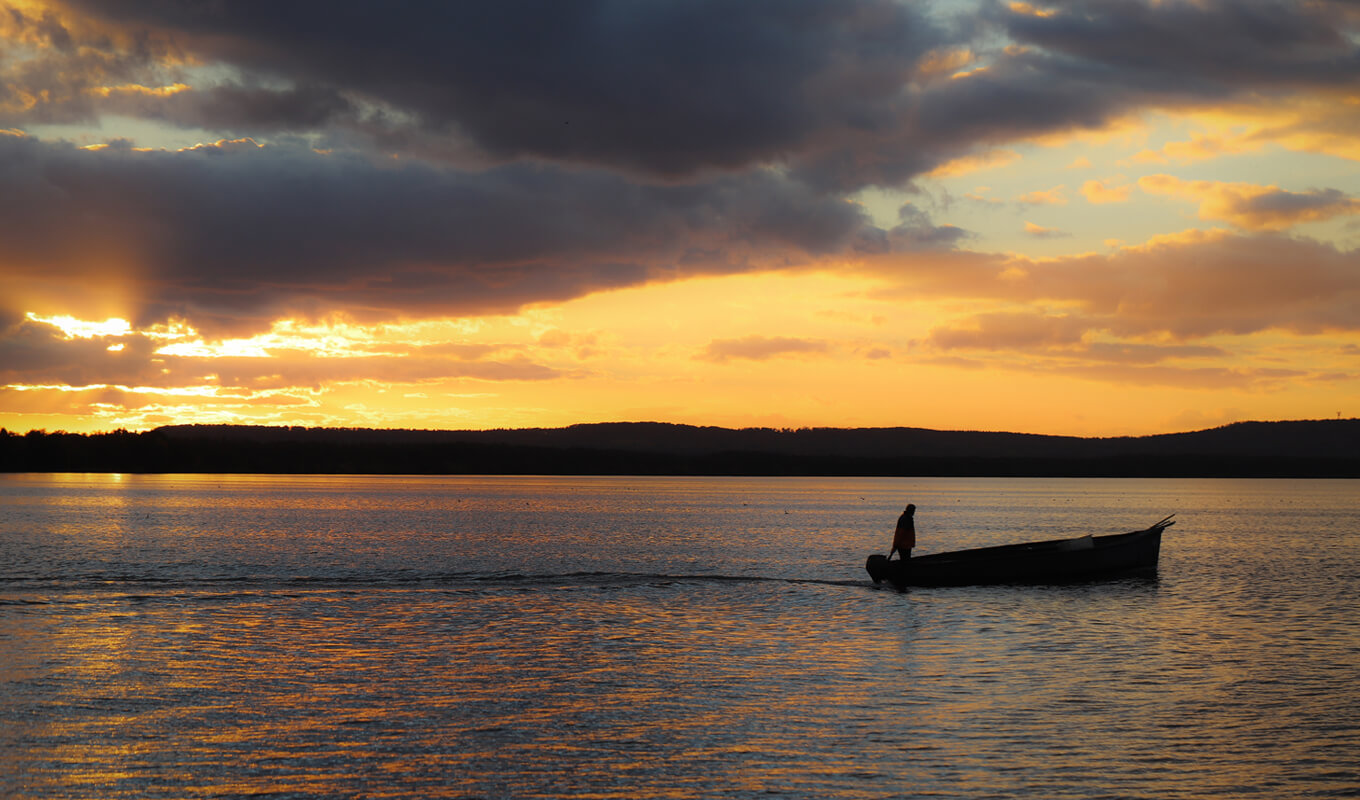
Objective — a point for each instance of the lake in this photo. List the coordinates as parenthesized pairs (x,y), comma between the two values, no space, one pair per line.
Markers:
(619,637)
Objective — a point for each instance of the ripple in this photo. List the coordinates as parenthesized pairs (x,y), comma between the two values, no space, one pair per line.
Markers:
(686,641)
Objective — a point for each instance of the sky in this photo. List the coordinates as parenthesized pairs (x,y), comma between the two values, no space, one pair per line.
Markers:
(1096,218)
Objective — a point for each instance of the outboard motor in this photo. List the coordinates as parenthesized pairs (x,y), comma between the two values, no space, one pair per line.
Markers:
(877,565)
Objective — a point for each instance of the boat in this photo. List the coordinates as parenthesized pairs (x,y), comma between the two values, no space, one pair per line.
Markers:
(1084,558)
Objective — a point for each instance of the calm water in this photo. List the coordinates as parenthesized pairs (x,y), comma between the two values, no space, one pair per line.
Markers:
(176,636)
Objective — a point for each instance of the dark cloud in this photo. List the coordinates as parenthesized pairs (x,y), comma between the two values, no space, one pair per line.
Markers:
(666,87)
(1287,207)
(914,232)
(1206,47)
(236,108)
(53,70)
(37,353)
(236,231)
(1083,64)
(839,92)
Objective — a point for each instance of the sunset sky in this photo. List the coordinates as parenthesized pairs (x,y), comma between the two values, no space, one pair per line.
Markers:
(1094,218)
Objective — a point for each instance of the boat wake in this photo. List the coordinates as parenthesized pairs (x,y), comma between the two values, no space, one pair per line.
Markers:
(50,589)
(643,578)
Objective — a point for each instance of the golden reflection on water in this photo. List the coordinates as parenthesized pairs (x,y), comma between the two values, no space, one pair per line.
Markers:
(291,694)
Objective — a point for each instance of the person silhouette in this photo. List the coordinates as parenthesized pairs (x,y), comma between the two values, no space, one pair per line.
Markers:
(904,536)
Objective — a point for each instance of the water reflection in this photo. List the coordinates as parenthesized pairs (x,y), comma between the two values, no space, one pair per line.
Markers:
(269,637)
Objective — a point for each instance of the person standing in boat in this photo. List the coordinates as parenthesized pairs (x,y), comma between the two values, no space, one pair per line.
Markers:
(904,537)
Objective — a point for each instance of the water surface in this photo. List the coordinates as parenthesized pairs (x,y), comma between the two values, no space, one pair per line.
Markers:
(173,636)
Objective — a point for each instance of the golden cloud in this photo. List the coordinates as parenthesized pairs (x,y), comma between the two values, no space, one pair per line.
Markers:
(138,89)
(1040,232)
(943,62)
(1096,192)
(1200,147)
(991,159)
(1253,207)
(1183,286)
(1048,197)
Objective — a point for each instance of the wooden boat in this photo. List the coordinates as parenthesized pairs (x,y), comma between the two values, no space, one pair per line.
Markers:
(1085,558)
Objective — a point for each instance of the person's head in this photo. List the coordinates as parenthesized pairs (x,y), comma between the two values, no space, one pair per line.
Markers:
(911,508)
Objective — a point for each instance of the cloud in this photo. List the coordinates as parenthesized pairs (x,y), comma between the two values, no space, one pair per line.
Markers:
(233,107)
(1200,147)
(1040,232)
(37,353)
(1208,47)
(842,93)
(1073,336)
(229,236)
(1182,287)
(997,331)
(979,196)
(1316,122)
(980,162)
(1072,346)
(915,232)
(33,353)
(1206,377)
(1253,207)
(1097,193)
(1047,197)
(49,75)
(656,88)
(760,348)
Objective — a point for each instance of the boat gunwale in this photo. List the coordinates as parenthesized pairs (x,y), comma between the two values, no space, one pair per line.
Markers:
(1044,548)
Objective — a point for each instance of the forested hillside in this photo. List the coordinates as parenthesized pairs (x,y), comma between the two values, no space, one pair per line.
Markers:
(1318,448)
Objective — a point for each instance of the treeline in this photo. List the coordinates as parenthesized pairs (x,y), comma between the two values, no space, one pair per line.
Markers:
(306,451)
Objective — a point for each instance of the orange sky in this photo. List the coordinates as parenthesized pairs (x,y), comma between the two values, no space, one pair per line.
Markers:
(1077,218)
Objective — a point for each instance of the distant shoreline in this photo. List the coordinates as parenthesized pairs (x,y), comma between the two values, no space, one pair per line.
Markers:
(1302,449)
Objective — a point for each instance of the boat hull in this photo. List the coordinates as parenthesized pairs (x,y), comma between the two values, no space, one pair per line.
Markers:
(1086,558)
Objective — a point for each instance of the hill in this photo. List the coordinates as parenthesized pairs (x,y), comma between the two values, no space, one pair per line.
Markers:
(1318,448)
